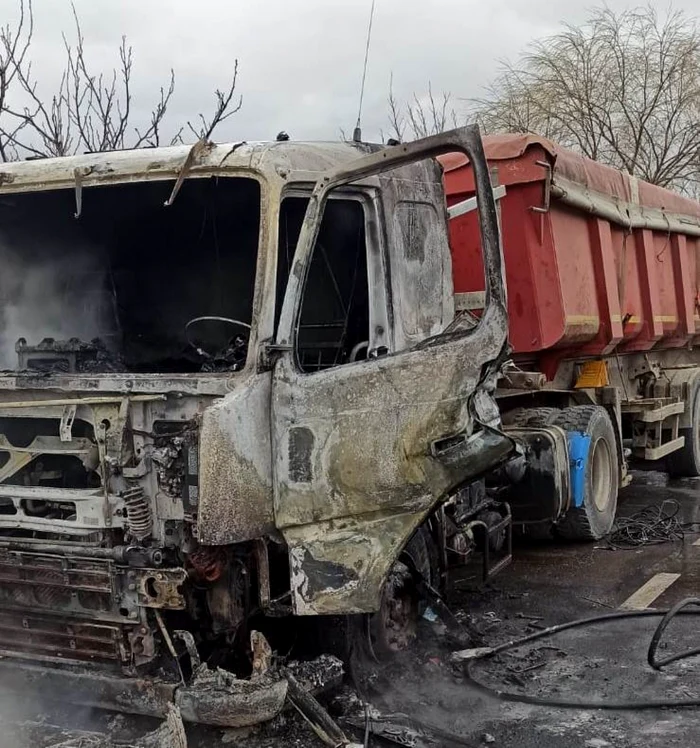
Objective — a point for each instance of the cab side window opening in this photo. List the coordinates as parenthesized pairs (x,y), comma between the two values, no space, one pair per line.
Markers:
(334,319)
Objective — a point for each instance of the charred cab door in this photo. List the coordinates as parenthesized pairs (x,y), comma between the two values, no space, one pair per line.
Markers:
(363,451)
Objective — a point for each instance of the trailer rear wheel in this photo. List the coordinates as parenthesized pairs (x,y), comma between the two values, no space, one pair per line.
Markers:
(685,462)
(594,518)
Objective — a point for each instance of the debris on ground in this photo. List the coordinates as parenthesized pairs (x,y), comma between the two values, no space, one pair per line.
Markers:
(470,654)
(318,718)
(208,698)
(320,674)
(651,525)
(394,728)
(171,734)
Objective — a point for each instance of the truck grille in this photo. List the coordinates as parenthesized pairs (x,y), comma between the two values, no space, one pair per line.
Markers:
(52,606)
(60,637)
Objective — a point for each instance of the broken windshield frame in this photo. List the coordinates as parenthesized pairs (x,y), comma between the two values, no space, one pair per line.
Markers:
(126,233)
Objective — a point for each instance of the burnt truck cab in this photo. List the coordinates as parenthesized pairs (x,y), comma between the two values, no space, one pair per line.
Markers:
(234,385)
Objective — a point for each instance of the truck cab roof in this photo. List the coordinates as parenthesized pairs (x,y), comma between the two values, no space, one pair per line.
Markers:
(281,158)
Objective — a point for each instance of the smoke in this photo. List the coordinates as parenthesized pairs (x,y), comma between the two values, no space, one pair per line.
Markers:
(27,721)
(52,290)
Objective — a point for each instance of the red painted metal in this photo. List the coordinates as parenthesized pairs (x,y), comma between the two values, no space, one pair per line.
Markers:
(611,331)
(578,285)
(683,286)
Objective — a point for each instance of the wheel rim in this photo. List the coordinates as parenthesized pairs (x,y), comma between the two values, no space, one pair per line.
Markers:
(601,474)
(398,616)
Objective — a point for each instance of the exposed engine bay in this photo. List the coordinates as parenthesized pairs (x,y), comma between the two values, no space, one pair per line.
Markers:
(98,511)
(101,571)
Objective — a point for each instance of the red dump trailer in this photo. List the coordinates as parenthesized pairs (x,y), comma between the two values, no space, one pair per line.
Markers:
(602,277)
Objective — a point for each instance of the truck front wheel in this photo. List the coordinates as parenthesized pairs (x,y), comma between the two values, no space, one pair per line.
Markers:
(377,638)
(595,515)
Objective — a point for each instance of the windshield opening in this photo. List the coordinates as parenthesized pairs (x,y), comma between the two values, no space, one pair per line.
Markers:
(129,285)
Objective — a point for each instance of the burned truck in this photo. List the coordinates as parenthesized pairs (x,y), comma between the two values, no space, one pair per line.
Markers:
(234,387)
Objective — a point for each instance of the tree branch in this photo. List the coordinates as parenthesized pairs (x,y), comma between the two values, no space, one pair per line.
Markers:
(225,108)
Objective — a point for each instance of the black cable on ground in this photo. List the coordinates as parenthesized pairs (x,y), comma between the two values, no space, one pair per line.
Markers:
(651,525)
(668,615)
(654,645)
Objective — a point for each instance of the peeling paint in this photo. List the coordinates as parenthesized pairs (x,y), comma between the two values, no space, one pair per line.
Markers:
(235,480)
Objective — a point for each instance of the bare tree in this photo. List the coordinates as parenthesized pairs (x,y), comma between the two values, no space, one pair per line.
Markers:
(14,46)
(624,89)
(225,107)
(421,116)
(90,110)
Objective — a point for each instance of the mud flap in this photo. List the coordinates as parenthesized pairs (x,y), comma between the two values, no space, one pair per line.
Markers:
(579,447)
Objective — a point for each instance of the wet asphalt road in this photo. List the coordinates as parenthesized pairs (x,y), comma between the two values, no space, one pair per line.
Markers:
(547,584)
(550,584)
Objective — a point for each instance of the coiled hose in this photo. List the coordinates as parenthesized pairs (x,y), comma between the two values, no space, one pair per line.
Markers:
(667,616)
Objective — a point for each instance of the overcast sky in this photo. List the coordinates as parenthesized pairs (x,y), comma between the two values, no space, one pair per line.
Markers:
(300,60)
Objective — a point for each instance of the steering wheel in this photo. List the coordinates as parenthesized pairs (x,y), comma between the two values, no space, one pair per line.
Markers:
(198,320)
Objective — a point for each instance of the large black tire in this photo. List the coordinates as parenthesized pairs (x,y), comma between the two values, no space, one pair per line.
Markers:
(685,462)
(595,517)
(532,417)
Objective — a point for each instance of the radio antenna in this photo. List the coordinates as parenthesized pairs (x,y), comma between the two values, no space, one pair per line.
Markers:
(357,134)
